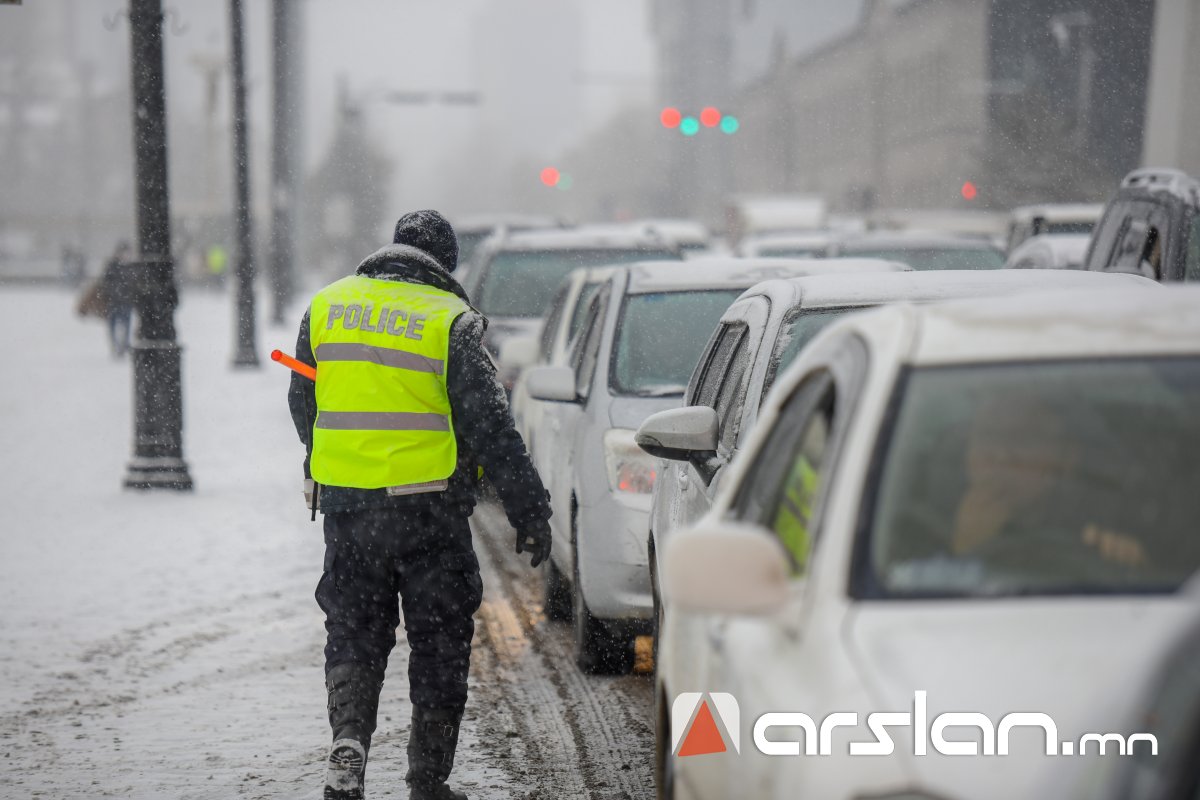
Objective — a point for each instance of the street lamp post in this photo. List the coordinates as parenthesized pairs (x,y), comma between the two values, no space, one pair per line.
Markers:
(245,354)
(286,18)
(157,461)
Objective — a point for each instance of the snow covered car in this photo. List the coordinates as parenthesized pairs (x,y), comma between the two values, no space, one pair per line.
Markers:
(1050,251)
(1052,219)
(515,275)
(1151,226)
(645,327)
(552,346)
(760,335)
(972,506)
(923,251)
(789,245)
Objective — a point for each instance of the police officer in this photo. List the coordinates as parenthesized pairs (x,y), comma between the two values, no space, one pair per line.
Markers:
(404,414)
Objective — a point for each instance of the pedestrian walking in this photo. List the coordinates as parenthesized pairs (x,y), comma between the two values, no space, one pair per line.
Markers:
(117,298)
(405,413)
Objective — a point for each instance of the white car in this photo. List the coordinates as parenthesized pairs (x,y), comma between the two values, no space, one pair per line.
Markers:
(645,328)
(759,336)
(981,507)
(514,275)
(922,251)
(1050,251)
(818,244)
(1054,219)
(552,346)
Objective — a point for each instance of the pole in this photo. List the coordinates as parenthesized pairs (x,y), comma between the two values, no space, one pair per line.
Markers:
(157,461)
(284,165)
(245,354)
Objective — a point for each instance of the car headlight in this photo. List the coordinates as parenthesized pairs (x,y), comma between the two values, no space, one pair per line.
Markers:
(630,468)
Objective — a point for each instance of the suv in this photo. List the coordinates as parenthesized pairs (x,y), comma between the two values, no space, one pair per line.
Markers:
(1152,227)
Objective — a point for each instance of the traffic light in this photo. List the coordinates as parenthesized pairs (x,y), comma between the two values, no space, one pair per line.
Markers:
(969,191)
(550,176)
(689,125)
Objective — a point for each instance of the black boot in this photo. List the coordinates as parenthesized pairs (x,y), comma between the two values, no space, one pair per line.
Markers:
(431,744)
(353,706)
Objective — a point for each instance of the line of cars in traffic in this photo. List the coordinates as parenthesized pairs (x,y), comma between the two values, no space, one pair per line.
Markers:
(824,484)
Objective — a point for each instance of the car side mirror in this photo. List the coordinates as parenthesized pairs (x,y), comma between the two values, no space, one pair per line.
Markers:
(684,434)
(552,384)
(518,352)
(680,434)
(726,568)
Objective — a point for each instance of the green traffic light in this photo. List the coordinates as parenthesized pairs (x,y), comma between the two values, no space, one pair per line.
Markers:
(730,124)
(689,126)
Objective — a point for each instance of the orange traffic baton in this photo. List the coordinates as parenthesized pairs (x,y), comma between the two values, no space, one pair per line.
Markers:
(298,367)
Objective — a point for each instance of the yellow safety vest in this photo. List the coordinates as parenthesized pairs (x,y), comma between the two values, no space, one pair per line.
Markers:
(383,410)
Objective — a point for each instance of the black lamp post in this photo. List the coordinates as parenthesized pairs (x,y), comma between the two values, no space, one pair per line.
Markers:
(157,461)
(245,354)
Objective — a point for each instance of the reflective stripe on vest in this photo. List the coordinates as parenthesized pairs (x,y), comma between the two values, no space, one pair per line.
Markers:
(383,410)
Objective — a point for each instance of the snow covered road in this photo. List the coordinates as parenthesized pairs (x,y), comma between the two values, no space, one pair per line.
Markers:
(168,646)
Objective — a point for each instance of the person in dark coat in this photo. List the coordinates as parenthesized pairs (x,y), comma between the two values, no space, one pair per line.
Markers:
(417,546)
(117,298)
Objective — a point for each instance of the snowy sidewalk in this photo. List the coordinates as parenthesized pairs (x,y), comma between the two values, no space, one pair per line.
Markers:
(154,644)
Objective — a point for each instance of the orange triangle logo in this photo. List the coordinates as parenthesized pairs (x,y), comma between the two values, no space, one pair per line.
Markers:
(703,737)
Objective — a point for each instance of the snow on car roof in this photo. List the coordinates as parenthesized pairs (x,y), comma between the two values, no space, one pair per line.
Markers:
(916,240)
(1060,212)
(1077,324)
(729,272)
(830,291)
(592,237)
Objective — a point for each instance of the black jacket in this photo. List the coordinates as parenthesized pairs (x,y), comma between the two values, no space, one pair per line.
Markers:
(483,424)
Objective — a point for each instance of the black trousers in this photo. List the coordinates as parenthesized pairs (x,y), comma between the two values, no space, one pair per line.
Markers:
(421,559)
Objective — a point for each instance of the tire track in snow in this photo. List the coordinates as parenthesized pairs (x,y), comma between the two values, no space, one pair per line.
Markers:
(607,719)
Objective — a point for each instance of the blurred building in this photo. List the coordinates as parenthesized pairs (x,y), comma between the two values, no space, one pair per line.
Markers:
(1173,107)
(1021,99)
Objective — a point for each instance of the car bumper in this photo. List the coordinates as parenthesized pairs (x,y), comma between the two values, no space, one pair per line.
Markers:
(614,571)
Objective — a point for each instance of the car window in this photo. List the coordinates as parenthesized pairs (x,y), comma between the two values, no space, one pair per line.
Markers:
(1133,250)
(780,490)
(1106,236)
(1191,269)
(580,310)
(717,362)
(660,337)
(550,326)
(797,330)
(1038,478)
(587,348)
(733,392)
(520,283)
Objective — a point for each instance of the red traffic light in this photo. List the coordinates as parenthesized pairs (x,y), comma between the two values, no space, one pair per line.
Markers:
(670,117)
(710,117)
(550,176)
(969,191)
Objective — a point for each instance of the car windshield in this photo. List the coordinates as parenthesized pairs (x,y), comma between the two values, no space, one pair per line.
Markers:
(521,283)
(933,258)
(660,338)
(1050,478)
(795,332)
(468,244)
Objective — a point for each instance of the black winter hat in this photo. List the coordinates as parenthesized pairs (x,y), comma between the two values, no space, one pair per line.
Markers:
(429,231)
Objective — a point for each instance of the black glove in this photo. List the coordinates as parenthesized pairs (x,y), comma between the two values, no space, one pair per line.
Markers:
(535,540)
